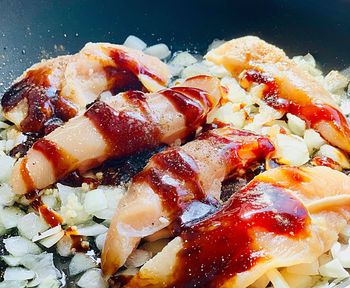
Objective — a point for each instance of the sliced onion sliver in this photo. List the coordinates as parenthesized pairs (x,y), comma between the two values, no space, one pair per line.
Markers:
(52,240)
(47,233)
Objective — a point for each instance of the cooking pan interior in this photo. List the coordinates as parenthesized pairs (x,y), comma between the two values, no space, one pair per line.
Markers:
(32,30)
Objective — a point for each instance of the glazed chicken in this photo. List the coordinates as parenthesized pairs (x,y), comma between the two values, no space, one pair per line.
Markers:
(175,179)
(55,90)
(283,217)
(125,124)
(287,87)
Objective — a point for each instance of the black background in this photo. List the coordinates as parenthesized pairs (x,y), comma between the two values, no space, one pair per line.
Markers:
(29,30)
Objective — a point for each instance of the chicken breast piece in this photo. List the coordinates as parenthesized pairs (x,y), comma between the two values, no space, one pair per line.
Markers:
(287,87)
(125,124)
(175,179)
(55,90)
(270,223)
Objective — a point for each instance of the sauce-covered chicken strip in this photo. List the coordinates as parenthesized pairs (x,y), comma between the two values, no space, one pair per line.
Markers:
(173,180)
(125,124)
(287,87)
(271,223)
(55,90)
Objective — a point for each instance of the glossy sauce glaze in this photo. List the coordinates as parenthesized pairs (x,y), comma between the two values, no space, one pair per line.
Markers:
(312,113)
(175,176)
(125,132)
(124,75)
(43,101)
(326,161)
(223,245)
(59,159)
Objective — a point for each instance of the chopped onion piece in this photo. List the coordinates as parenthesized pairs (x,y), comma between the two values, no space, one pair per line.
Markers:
(183,59)
(134,43)
(50,283)
(296,125)
(7,196)
(95,200)
(92,279)
(30,225)
(47,233)
(18,273)
(11,260)
(52,240)
(297,281)
(91,229)
(333,269)
(13,284)
(291,150)
(81,263)
(42,265)
(64,246)
(100,241)
(335,154)
(313,140)
(160,51)
(6,164)
(20,246)
(9,216)
(137,258)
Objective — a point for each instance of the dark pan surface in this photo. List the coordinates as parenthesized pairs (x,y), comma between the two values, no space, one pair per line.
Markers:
(31,30)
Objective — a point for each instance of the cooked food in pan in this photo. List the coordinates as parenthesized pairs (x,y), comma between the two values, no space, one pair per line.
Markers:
(124,166)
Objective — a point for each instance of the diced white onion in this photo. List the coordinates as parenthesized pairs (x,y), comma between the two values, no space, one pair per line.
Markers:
(13,284)
(50,282)
(95,200)
(81,263)
(183,59)
(6,164)
(137,258)
(20,246)
(7,197)
(18,273)
(91,229)
(30,225)
(335,154)
(134,43)
(297,281)
(100,241)
(160,51)
(333,269)
(9,216)
(64,246)
(43,267)
(313,140)
(92,279)
(296,125)
(277,279)
(291,150)
(11,260)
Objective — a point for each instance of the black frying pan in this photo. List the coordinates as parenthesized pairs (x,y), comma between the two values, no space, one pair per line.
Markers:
(31,30)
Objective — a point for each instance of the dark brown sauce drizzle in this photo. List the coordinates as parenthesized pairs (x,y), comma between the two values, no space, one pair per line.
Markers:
(173,175)
(126,132)
(311,113)
(44,102)
(79,243)
(192,103)
(21,149)
(124,75)
(223,245)
(60,160)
